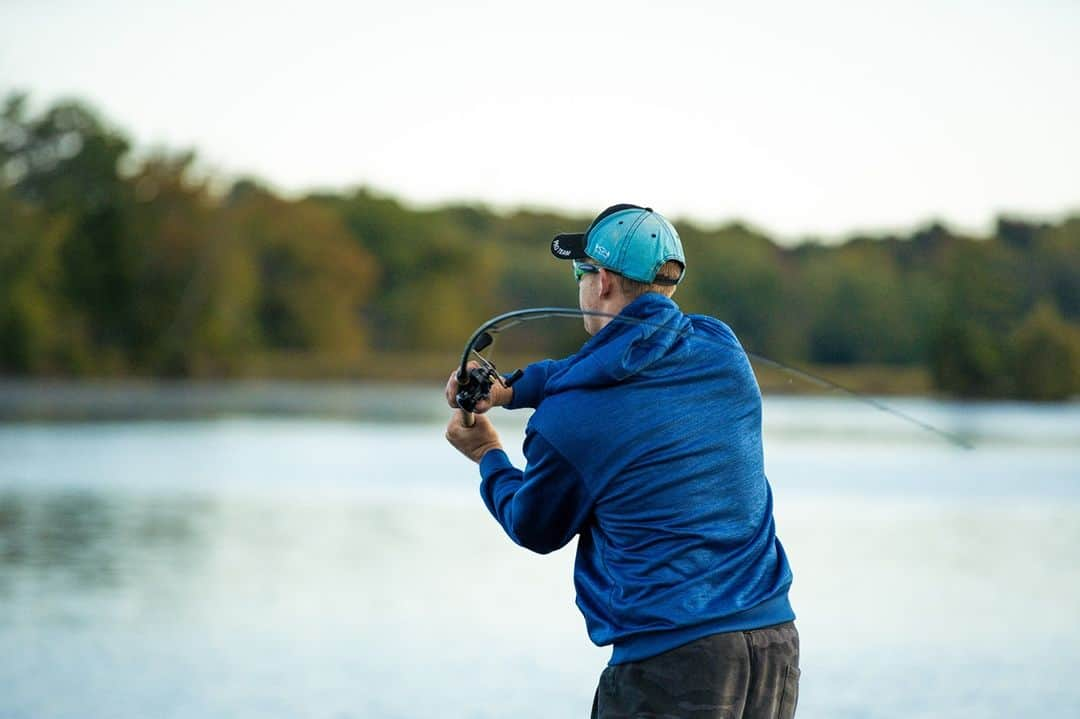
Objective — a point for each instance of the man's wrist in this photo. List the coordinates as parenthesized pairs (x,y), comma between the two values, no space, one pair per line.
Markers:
(478,456)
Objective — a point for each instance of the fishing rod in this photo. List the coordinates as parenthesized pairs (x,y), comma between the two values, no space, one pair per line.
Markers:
(475,384)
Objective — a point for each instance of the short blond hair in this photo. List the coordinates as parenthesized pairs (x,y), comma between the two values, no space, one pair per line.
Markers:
(632,289)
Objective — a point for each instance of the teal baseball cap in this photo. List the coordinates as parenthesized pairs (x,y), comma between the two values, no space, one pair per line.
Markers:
(632,240)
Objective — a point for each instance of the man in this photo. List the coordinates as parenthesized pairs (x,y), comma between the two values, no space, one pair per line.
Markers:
(646,444)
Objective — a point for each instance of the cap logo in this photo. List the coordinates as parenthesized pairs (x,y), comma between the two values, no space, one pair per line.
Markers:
(559,250)
(602,253)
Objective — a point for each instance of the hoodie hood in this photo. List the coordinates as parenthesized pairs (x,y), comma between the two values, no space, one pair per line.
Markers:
(623,349)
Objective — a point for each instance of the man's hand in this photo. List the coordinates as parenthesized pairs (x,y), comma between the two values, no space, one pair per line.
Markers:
(473,442)
(500,396)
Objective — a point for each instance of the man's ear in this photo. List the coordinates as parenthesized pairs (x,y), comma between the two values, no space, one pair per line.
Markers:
(607,283)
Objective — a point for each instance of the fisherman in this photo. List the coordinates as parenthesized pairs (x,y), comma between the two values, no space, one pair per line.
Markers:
(646,445)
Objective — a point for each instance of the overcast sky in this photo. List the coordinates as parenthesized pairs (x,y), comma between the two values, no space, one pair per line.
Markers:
(819,118)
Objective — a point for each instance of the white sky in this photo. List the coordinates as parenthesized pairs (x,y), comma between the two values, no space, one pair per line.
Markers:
(801,118)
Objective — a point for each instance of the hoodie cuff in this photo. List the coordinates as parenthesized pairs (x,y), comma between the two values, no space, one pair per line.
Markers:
(494,460)
(528,391)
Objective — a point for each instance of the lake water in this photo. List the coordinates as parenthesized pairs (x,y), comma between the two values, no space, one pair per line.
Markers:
(321,552)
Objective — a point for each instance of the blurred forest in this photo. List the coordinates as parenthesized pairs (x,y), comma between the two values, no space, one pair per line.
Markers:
(115,263)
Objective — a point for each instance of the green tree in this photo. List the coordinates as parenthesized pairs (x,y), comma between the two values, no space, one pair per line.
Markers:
(737,275)
(66,162)
(860,308)
(1058,249)
(32,317)
(434,275)
(174,215)
(313,279)
(985,299)
(1044,356)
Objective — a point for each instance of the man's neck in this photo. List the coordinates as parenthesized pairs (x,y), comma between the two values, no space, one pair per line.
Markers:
(612,306)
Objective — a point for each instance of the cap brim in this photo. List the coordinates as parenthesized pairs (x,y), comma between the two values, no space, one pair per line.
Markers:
(569,246)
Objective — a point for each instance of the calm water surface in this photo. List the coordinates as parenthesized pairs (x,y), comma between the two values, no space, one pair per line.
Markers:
(343,565)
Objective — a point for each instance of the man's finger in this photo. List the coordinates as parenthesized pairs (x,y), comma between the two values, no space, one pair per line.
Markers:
(451,390)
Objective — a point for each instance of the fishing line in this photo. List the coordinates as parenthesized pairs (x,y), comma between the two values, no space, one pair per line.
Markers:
(475,384)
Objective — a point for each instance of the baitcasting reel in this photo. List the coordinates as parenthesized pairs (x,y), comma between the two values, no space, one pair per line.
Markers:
(475,384)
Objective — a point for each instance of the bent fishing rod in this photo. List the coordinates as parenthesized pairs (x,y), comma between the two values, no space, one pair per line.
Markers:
(475,384)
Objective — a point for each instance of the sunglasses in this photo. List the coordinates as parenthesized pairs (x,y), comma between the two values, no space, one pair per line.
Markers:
(584,268)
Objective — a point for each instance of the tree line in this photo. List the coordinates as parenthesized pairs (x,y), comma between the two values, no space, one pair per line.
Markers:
(116,263)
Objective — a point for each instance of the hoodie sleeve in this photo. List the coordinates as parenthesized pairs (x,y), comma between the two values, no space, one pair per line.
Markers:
(541,508)
(529,390)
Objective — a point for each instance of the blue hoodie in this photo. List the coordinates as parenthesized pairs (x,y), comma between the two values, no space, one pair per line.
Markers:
(646,444)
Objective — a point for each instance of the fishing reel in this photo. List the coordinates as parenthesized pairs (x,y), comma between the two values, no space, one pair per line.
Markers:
(474,384)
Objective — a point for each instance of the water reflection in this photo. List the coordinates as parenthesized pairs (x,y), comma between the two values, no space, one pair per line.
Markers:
(82,540)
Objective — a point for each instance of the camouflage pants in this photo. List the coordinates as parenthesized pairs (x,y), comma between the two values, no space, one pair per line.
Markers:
(736,675)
